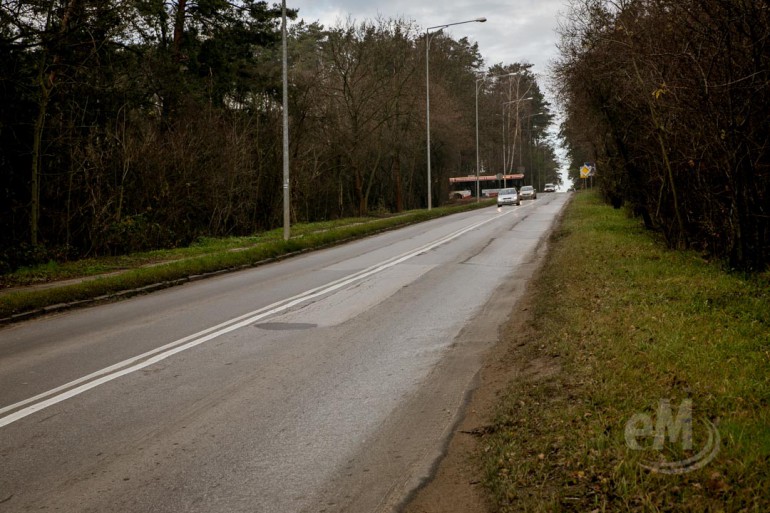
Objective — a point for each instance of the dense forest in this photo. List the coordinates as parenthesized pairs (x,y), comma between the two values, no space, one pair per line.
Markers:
(671,100)
(136,124)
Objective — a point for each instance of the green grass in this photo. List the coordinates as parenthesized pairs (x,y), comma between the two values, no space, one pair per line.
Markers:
(53,271)
(115,275)
(622,323)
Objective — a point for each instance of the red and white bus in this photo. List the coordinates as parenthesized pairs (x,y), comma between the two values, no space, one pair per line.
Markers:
(465,186)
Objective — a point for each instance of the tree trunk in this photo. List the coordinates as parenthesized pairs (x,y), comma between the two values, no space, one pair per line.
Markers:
(181,11)
(37,138)
(46,84)
(399,185)
(360,193)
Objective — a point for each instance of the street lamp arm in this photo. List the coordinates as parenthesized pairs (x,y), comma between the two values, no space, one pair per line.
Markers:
(519,100)
(439,27)
(484,77)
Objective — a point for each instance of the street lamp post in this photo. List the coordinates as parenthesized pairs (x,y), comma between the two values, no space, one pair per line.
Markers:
(479,81)
(437,28)
(478,191)
(284,79)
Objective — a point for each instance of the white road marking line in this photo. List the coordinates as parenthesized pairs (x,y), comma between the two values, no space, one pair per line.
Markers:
(66,391)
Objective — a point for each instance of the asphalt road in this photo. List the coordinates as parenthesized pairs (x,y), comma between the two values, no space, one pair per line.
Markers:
(326,382)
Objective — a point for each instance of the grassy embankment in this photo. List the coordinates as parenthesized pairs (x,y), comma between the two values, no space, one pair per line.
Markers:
(115,275)
(620,323)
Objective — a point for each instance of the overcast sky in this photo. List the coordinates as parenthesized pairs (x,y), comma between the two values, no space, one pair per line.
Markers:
(515,30)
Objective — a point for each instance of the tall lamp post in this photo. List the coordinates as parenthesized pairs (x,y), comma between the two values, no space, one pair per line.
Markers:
(479,81)
(284,77)
(437,29)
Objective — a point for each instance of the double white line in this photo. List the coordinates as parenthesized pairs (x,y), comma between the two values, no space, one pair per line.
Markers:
(100,377)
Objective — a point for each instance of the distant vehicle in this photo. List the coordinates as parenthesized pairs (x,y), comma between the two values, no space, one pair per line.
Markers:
(508,197)
(527,192)
(460,194)
(549,187)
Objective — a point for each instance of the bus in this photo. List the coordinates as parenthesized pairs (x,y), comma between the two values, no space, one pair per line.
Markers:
(465,186)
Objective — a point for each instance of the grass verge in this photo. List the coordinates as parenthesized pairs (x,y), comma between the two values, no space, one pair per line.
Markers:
(618,324)
(140,271)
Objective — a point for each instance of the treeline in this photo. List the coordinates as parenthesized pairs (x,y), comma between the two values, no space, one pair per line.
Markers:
(135,124)
(671,99)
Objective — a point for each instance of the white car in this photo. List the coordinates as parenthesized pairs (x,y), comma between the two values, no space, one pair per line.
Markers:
(508,197)
(528,192)
(549,187)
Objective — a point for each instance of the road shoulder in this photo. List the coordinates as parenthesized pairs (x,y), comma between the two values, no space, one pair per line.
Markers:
(456,485)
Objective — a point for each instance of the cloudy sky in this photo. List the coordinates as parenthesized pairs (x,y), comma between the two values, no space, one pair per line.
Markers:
(515,30)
